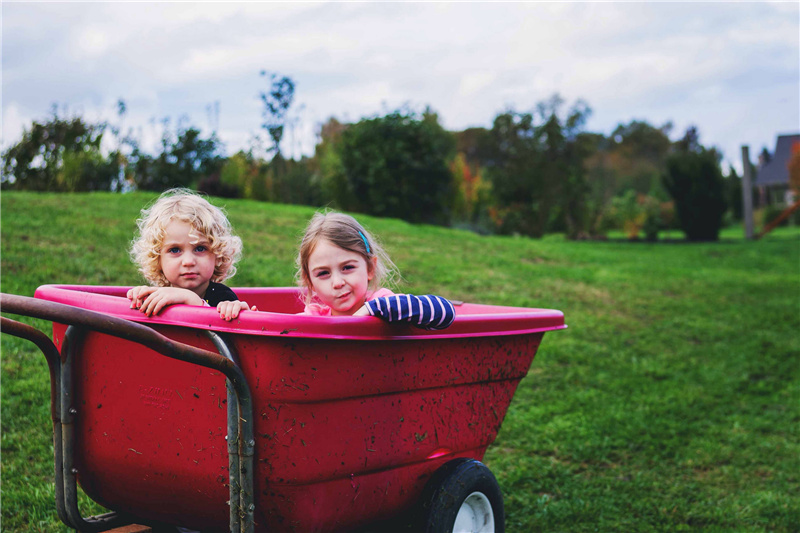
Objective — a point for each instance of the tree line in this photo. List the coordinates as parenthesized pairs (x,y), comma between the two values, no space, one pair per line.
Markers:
(532,172)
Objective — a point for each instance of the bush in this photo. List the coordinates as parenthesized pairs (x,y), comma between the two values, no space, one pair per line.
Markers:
(694,180)
(60,154)
(397,166)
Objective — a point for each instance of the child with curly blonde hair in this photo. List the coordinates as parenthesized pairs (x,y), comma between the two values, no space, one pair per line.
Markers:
(185,249)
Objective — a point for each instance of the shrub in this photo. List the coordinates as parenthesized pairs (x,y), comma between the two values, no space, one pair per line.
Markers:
(694,180)
(396,166)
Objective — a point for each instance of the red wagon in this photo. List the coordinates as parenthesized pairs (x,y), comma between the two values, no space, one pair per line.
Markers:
(276,422)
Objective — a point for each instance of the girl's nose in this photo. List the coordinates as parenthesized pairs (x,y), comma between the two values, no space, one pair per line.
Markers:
(188,259)
(337,281)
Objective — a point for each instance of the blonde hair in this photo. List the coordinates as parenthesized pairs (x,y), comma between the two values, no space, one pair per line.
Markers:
(345,232)
(186,206)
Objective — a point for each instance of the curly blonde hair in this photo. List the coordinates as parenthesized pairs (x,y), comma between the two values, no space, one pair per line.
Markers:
(187,206)
(345,232)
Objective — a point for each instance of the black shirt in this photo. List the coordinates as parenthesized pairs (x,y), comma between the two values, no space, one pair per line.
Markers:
(217,292)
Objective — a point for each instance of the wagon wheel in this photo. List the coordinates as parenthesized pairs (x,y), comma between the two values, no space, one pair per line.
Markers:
(462,497)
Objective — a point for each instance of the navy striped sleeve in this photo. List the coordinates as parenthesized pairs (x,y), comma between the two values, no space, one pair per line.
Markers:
(427,312)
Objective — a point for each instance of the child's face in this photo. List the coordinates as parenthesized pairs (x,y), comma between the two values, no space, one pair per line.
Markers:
(186,258)
(339,278)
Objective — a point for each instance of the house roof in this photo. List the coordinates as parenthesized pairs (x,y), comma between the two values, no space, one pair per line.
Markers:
(776,172)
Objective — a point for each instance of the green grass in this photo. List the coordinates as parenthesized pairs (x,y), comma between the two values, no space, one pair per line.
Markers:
(671,403)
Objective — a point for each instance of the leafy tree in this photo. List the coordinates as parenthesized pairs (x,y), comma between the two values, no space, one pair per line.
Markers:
(60,154)
(637,212)
(602,184)
(694,180)
(632,159)
(475,144)
(733,194)
(472,192)
(184,160)
(277,101)
(645,141)
(794,170)
(235,178)
(639,151)
(764,156)
(566,149)
(327,166)
(630,213)
(294,183)
(519,188)
(397,166)
(538,164)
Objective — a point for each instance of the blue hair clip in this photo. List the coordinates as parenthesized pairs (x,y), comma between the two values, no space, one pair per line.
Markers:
(365,242)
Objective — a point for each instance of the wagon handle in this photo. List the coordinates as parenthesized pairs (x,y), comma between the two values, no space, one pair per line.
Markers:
(50,352)
(118,327)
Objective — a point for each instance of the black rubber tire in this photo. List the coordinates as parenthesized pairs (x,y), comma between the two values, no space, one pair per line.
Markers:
(447,489)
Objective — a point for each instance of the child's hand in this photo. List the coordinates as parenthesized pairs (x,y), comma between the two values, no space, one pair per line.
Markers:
(362,311)
(137,295)
(151,300)
(231,309)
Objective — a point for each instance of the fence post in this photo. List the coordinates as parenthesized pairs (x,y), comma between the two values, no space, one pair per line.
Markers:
(747,193)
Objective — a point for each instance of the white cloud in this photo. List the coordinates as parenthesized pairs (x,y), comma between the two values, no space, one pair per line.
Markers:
(472,83)
(730,68)
(14,122)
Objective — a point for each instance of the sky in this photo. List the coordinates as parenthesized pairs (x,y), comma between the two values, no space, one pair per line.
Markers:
(732,69)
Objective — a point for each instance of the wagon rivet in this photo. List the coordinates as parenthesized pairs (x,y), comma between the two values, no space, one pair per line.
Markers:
(251,508)
(251,443)
(73,411)
(74,470)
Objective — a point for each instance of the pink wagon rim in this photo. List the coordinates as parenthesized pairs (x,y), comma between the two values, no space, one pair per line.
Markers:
(472,320)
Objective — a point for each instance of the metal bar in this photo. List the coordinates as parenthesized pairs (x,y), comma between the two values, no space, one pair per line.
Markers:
(50,352)
(69,349)
(780,218)
(240,469)
(747,193)
(99,322)
(234,481)
(118,327)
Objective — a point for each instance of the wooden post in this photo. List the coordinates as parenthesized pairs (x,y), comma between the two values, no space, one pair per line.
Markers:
(747,193)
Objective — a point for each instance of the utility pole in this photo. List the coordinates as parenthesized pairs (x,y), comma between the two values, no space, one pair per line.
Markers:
(747,193)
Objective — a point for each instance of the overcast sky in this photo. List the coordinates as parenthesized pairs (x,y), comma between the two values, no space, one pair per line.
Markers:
(731,69)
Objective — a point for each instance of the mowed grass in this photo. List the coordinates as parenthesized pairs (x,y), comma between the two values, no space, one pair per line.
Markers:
(671,403)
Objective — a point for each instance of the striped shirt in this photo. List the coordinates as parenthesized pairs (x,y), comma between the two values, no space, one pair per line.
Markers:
(426,312)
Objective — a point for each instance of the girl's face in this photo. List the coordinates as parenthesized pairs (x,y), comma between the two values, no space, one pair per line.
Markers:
(186,258)
(339,278)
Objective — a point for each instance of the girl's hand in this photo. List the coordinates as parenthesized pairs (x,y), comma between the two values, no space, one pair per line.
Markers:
(231,309)
(137,295)
(151,300)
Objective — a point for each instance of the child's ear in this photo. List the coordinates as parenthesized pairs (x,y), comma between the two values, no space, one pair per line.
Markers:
(372,264)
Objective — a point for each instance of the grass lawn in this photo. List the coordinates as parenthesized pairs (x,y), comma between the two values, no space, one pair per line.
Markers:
(672,402)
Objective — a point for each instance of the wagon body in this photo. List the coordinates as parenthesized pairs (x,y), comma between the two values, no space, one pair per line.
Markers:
(351,415)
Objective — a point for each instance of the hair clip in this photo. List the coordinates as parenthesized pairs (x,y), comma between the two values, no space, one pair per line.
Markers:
(365,242)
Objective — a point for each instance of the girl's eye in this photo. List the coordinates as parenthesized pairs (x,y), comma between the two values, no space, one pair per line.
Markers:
(201,249)
(321,273)
(348,267)
(174,250)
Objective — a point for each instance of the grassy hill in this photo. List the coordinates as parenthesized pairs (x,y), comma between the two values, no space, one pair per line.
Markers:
(671,403)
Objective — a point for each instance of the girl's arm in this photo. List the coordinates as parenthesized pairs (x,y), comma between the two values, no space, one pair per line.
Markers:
(151,300)
(427,312)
